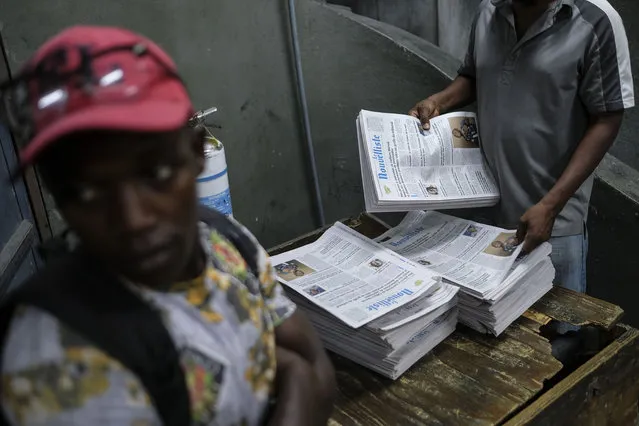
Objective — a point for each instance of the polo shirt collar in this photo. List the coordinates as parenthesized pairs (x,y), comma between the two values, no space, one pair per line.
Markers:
(564,6)
(558,4)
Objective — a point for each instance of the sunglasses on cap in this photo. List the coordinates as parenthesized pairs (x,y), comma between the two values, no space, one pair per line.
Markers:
(73,77)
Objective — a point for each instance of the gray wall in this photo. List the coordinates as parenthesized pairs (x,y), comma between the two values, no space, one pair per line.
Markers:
(417,16)
(232,54)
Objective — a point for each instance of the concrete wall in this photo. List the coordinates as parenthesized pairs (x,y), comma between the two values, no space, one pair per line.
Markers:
(353,63)
(418,17)
(234,55)
(455,18)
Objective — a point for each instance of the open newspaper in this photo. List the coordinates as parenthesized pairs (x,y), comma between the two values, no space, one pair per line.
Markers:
(366,302)
(405,167)
(498,283)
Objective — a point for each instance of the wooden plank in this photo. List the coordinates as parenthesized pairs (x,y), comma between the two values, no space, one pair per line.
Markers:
(468,379)
(578,309)
(604,390)
(536,318)
(432,393)
(497,367)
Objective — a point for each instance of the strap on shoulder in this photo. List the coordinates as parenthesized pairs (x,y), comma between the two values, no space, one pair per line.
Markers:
(98,306)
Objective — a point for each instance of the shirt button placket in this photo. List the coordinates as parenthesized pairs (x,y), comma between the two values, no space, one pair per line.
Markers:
(508,68)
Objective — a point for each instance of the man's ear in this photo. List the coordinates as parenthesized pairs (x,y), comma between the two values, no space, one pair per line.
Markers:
(197,145)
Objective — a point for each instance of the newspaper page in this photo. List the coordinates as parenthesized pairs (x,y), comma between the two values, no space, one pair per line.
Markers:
(410,163)
(475,256)
(352,277)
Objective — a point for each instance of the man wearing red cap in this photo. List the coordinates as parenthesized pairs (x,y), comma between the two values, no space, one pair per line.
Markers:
(164,313)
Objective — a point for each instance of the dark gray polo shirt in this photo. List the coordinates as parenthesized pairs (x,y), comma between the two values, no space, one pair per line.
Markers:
(535,95)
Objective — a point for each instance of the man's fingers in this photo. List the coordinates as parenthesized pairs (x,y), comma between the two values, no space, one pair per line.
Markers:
(530,243)
(423,113)
(424,116)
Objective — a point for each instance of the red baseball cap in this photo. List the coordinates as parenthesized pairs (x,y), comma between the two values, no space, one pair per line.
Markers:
(95,78)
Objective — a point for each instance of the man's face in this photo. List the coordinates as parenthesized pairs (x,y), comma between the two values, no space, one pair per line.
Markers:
(131,198)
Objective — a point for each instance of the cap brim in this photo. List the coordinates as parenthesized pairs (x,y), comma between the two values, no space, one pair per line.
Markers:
(142,116)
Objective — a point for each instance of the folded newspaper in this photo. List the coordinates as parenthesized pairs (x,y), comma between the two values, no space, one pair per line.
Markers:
(368,303)
(497,283)
(405,167)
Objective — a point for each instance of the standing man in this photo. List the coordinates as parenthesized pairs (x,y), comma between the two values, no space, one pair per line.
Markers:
(166,313)
(552,80)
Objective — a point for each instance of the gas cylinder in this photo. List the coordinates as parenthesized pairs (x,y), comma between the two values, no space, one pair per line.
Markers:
(213,184)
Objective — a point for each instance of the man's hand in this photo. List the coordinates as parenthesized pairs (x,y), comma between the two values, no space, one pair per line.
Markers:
(458,94)
(302,363)
(296,384)
(425,110)
(535,226)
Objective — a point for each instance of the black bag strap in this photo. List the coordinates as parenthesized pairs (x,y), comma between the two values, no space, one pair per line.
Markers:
(101,308)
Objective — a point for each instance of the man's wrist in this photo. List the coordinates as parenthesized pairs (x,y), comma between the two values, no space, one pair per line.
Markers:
(440,100)
(554,203)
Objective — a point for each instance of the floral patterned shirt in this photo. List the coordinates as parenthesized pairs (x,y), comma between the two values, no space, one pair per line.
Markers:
(222,324)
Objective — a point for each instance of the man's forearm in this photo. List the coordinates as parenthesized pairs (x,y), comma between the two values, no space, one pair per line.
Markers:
(598,139)
(298,336)
(460,93)
(295,381)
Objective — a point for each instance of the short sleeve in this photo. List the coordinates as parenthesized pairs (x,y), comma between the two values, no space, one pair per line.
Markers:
(52,376)
(279,305)
(467,67)
(606,83)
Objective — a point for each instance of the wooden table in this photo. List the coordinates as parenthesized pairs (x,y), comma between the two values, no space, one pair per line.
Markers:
(475,379)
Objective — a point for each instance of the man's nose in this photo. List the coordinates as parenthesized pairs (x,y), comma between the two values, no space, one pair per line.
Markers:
(135,215)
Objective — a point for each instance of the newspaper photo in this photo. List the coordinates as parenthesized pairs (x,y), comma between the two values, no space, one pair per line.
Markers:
(474,256)
(352,277)
(405,167)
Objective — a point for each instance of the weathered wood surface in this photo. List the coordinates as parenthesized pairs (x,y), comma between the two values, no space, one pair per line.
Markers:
(469,379)
(579,309)
(603,391)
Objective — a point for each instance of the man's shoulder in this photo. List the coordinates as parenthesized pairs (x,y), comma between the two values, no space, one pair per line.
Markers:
(227,236)
(600,15)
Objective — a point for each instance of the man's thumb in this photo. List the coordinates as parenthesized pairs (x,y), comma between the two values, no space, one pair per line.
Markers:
(521,232)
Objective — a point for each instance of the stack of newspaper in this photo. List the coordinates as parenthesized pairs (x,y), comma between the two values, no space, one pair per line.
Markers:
(498,284)
(368,303)
(405,167)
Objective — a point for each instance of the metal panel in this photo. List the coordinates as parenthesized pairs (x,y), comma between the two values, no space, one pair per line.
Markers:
(13,255)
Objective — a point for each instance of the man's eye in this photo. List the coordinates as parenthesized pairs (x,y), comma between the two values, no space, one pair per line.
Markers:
(163,173)
(87,194)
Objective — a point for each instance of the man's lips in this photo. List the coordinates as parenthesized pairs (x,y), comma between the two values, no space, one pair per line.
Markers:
(152,258)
